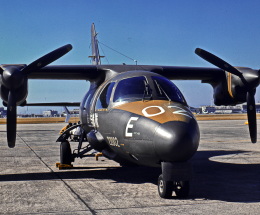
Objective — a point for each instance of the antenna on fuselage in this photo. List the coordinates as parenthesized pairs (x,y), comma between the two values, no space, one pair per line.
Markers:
(96,58)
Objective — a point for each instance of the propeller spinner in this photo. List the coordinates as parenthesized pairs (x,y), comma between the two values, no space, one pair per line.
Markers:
(250,83)
(13,77)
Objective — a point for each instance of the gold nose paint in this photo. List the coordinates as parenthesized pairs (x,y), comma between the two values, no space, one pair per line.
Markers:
(158,110)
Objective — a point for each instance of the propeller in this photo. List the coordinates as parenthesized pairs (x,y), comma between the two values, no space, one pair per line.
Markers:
(14,78)
(11,119)
(250,81)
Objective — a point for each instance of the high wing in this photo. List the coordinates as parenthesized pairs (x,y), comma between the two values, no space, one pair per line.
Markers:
(68,72)
(94,72)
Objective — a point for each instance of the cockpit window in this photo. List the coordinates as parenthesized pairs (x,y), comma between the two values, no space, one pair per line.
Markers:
(166,90)
(104,97)
(130,89)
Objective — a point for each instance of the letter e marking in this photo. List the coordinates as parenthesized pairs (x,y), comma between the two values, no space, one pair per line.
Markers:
(129,125)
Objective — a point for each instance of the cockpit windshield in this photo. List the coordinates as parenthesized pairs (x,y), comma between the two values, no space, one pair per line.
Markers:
(143,88)
(166,90)
(130,89)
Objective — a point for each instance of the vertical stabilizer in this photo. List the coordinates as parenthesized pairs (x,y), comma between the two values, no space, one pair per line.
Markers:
(96,58)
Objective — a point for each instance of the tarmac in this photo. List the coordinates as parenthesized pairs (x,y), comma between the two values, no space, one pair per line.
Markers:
(226,177)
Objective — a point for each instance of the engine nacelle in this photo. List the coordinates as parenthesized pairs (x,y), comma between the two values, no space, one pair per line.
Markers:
(20,94)
(13,79)
(232,90)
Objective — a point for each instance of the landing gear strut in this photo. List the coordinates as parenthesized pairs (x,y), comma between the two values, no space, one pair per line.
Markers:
(175,177)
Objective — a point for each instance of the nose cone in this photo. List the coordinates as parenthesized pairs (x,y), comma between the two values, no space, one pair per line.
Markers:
(176,141)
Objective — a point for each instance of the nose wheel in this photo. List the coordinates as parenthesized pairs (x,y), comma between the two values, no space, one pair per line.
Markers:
(165,188)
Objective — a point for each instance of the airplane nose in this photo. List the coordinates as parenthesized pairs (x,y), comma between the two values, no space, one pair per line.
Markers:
(176,141)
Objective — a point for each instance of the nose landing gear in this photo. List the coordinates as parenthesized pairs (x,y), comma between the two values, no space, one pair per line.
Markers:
(175,177)
(165,188)
(182,189)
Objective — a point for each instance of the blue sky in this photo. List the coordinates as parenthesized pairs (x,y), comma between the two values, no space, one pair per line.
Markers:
(164,32)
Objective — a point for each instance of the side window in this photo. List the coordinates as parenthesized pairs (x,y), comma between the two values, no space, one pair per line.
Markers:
(104,97)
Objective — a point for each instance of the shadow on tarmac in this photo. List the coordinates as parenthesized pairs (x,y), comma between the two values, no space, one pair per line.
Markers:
(211,180)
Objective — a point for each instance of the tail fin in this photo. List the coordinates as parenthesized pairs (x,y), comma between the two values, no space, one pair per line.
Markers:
(96,58)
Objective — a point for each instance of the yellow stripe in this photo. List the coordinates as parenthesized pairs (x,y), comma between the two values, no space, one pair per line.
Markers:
(230,85)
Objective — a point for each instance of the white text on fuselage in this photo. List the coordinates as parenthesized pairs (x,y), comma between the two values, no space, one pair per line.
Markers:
(113,141)
(129,125)
(161,110)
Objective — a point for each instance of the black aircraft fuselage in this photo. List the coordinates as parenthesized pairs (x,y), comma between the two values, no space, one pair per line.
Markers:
(140,117)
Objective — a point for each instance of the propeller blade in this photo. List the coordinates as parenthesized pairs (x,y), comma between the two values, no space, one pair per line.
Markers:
(47,59)
(11,119)
(211,58)
(251,115)
(14,77)
(250,80)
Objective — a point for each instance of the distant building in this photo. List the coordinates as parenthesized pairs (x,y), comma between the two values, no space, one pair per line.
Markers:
(31,115)
(195,110)
(222,109)
(50,113)
(257,107)
(73,113)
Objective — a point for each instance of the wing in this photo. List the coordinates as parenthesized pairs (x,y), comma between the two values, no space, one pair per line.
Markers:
(68,72)
(172,72)
(102,72)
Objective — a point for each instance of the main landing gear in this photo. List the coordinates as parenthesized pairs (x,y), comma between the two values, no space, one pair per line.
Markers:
(175,177)
(66,155)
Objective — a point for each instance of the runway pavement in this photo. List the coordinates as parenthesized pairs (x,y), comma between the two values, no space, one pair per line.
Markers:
(226,177)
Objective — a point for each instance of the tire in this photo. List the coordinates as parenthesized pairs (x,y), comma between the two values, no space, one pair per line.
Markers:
(65,153)
(165,188)
(182,189)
